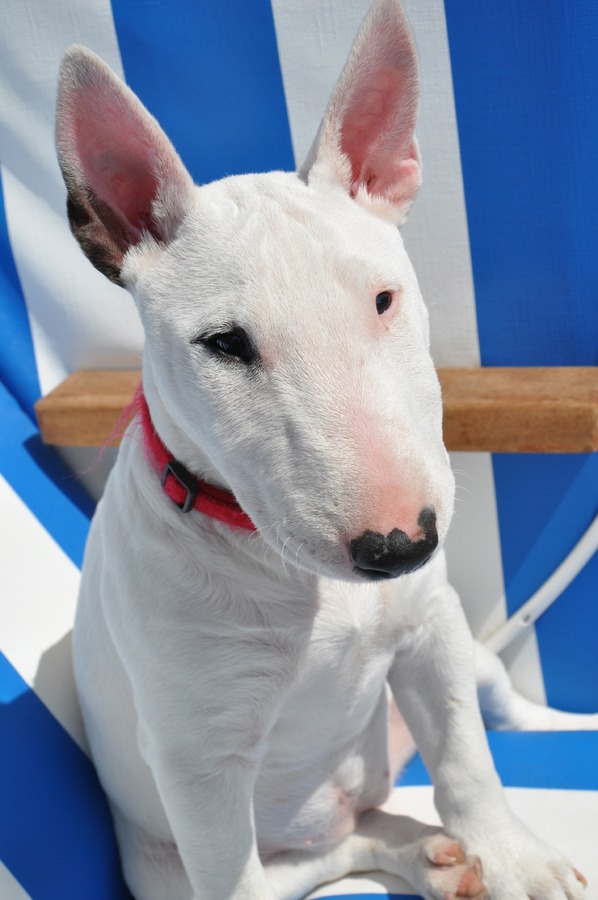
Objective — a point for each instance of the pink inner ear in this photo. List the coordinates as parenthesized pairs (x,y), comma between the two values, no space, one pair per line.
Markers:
(371,108)
(377,136)
(117,159)
(378,96)
(397,180)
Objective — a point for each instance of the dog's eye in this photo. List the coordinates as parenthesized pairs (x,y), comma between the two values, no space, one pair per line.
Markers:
(234,343)
(383,301)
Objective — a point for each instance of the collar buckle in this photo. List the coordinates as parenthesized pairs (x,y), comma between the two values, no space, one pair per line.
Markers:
(186,480)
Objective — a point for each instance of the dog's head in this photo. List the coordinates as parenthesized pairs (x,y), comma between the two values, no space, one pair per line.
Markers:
(287,349)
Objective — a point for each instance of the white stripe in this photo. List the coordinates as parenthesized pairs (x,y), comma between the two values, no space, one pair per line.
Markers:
(475,569)
(39,594)
(10,889)
(314,38)
(473,545)
(77,317)
(436,233)
(437,238)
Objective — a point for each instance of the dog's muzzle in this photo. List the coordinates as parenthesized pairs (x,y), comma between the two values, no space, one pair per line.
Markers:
(377,556)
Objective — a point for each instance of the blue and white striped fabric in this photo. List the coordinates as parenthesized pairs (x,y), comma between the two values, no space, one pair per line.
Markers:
(503,238)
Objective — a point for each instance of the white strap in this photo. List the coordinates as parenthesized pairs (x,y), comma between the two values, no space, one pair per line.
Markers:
(545,596)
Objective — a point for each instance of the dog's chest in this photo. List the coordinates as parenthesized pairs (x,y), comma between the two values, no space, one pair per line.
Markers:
(328,752)
(345,662)
(350,650)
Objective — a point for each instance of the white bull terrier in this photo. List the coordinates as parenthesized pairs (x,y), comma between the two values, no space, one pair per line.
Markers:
(264,582)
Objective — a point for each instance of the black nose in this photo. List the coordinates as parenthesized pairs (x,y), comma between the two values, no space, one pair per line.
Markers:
(376,556)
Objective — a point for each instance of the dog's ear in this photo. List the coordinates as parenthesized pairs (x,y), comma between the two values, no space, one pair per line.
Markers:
(366,140)
(123,177)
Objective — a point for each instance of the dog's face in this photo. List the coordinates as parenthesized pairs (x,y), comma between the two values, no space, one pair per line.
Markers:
(286,337)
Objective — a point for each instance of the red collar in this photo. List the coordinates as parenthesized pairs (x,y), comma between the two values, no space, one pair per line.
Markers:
(183,488)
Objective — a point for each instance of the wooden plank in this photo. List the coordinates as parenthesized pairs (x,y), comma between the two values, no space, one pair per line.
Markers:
(85,408)
(503,410)
(521,410)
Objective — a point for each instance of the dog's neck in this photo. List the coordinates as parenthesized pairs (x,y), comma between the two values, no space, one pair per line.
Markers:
(184,489)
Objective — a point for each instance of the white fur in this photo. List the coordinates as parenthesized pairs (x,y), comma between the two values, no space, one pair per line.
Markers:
(238,689)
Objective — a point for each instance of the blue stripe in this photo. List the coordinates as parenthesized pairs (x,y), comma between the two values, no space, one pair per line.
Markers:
(544,506)
(525,77)
(56,836)
(559,760)
(43,483)
(18,368)
(210,73)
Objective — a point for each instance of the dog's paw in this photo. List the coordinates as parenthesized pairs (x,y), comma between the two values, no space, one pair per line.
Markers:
(527,869)
(448,873)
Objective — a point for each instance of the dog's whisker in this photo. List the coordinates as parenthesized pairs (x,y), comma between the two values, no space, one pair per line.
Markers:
(282,555)
(460,489)
(463,473)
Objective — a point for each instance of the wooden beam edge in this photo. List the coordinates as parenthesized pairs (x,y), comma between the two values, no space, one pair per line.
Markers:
(500,410)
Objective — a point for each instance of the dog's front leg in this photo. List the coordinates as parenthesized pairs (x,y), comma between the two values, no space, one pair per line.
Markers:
(212,820)
(204,716)
(433,681)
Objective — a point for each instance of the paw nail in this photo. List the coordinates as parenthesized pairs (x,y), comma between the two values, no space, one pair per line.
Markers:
(580,878)
(449,857)
(471,886)
(476,865)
